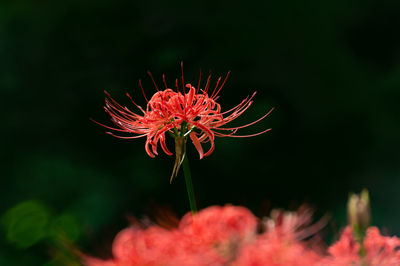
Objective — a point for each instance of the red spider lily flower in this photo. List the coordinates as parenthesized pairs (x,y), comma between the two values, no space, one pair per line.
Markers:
(212,238)
(156,246)
(283,243)
(380,250)
(216,236)
(226,229)
(266,251)
(186,112)
(294,225)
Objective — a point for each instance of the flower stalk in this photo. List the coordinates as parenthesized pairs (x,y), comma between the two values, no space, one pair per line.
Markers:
(181,159)
(189,185)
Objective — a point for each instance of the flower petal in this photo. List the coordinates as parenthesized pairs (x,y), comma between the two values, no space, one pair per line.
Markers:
(197,144)
(163,145)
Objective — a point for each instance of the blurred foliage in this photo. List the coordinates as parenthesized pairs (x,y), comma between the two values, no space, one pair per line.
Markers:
(26,224)
(30,223)
(65,226)
(331,69)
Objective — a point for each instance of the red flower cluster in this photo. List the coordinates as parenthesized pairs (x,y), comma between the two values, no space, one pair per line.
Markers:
(380,250)
(281,243)
(212,237)
(229,236)
(186,112)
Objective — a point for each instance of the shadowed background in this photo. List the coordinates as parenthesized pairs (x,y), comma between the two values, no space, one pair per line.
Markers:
(331,69)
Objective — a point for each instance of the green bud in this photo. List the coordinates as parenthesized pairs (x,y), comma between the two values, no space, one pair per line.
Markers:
(359,216)
(358,208)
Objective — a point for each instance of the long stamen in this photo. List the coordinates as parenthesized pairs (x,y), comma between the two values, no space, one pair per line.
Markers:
(151,76)
(207,84)
(184,92)
(198,86)
(165,83)
(141,87)
(216,86)
(110,107)
(177,85)
(120,112)
(138,106)
(112,128)
(249,124)
(115,104)
(242,136)
(122,137)
(223,83)
(183,82)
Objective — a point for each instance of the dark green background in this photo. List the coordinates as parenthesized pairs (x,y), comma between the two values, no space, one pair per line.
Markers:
(331,69)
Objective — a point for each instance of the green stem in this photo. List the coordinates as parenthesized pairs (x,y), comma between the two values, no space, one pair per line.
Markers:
(189,185)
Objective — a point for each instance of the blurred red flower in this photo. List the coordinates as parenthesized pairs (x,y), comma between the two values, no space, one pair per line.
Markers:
(281,243)
(271,251)
(228,235)
(226,229)
(215,236)
(380,250)
(211,237)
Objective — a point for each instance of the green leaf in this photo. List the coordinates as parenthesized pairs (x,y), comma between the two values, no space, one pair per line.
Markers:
(26,223)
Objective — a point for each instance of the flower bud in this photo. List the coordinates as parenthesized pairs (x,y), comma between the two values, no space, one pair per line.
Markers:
(359,213)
